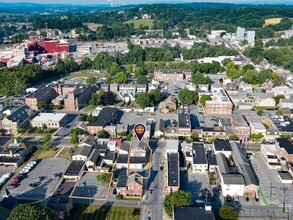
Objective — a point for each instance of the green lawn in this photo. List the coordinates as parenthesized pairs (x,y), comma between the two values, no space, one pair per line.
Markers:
(89,109)
(138,22)
(263,197)
(97,212)
(84,74)
(40,153)
(64,153)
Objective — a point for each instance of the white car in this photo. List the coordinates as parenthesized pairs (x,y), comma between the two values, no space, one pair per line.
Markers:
(24,171)
(29,165)
(8,175)
(33,162)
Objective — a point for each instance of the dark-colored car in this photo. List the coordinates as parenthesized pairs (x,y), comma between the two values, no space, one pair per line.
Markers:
(20,176)
(35,184)
(114,191)
(56,176)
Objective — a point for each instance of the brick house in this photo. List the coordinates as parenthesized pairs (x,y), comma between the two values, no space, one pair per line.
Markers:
(130,186)
(44,95)
(240,127)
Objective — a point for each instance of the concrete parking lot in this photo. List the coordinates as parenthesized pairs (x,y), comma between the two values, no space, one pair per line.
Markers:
(92,188)
(44,169)
(194,182)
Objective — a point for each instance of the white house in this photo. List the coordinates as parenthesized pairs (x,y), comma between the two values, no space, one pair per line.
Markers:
(258,127)
(286,103)
(199,159)
(264,99)
(112,145)
(282,90)
(82,153)
(232,184)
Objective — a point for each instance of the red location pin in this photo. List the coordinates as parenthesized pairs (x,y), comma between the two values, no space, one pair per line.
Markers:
(139,130)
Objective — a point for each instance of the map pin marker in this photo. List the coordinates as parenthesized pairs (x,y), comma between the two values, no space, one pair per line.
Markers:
(139,130)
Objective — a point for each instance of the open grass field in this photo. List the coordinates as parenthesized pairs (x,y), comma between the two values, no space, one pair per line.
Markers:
(97,212)
(89,109)
(84,74)
(272,21)
(92,26)
(64,153)
(138,22)
(40,153)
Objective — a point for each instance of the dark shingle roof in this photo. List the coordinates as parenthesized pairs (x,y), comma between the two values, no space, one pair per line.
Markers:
(198,213)
(286,144)
(74,168)
(84,151)
(199,155)
(21,114)
(222,145)
(173,169)
(105,117)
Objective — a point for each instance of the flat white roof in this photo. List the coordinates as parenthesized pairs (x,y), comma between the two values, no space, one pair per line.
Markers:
(258,125)
(49,117)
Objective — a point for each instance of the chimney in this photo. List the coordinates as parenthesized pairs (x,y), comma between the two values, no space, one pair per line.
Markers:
(10,153)
(15,141)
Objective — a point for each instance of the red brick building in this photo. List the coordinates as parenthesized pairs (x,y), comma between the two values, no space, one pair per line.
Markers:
(285,149)
(130,186)
(43,95)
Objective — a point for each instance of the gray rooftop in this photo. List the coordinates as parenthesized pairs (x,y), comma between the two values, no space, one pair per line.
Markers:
(173,169)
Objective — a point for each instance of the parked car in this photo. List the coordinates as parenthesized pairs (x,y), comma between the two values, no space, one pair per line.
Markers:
(15,180)
(20,176)
(114,191)
(38,179)
(82,184)
(56,176)
(11,186)
(35,184)
(8,175)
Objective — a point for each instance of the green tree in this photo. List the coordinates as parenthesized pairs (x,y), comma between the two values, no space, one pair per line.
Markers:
(155,95)
(229,213)
(195,136)
(144,100)
(86,63)
(107,98)
(47,138)
(70,65)
(103,134)
(199,78)
(91,80)
(120,77)
(233,137)
(104,178)
(256,136)
(102,61)
(187,97)
(179,198)
(203,99)
(129,68)
(278,98)
(60,66)
(75,134)
(28,211)
(142,79)
(232,70)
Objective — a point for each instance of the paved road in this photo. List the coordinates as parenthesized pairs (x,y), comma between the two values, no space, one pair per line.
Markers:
(56,141)
(152,205)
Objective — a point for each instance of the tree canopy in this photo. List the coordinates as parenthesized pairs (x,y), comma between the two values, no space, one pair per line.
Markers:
(229,213)
(188,97)
(27,211)
(179,198)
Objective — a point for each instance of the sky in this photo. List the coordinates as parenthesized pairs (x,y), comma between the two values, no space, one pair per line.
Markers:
(85,2)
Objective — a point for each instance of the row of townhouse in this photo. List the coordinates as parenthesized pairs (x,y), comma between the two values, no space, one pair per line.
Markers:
(129,158)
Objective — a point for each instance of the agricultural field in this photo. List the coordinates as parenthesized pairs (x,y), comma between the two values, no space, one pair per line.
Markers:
(97,212)
(92,26)
(138,22)
(272,21)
